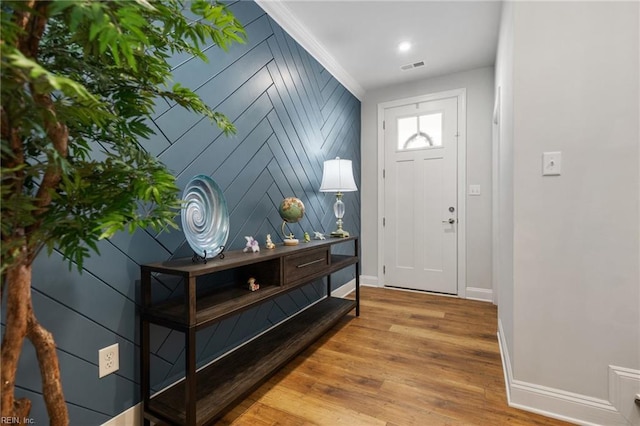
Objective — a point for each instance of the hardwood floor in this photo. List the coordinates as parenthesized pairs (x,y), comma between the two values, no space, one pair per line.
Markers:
(409,359)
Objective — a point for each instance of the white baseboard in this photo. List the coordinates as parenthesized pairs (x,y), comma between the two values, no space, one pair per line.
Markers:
(344,289)
(132,416)
(481,294)
(473,293)
(369,280)
(559,404)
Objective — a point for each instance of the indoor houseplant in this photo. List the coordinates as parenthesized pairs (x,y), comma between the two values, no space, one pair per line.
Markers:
(80,77)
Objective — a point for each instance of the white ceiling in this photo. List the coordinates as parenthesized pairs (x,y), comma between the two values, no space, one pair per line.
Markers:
(356,40)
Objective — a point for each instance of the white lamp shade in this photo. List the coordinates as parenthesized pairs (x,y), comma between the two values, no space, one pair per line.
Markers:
(337,176)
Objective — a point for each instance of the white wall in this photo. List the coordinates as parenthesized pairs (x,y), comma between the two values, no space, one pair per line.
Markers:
(575,296)
(479,89)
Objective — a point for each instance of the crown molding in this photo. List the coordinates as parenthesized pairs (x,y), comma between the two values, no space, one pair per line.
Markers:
(283,16)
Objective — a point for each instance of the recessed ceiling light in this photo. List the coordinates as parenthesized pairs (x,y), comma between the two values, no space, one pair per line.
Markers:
(404,46)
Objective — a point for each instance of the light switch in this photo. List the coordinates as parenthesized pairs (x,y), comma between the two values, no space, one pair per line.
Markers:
(474,189)
(551,163)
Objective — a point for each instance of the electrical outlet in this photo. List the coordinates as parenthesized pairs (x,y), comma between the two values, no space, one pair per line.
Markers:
(108,360)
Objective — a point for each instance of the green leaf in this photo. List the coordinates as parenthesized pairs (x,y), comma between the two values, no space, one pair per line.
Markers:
(101,66)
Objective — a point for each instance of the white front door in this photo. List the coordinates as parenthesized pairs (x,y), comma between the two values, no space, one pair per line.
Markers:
(421,212)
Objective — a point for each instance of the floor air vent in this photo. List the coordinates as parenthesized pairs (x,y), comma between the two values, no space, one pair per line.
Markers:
(412,66)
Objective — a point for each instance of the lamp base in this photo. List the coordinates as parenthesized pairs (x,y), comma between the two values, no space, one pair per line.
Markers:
(340,233)
(290,242)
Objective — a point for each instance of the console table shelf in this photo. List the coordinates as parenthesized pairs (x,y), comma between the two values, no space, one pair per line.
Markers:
(232,377)
(203,396)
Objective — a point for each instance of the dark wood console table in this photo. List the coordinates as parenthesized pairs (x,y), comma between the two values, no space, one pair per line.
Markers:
(205,395)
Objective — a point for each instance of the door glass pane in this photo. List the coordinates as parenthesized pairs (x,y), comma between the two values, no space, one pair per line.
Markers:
(407,127)
(424,131)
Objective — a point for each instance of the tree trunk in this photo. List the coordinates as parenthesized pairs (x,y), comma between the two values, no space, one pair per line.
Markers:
(18,289)
(20,319)
(20,323)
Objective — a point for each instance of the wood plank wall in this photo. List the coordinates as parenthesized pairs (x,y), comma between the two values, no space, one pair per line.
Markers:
(291,115)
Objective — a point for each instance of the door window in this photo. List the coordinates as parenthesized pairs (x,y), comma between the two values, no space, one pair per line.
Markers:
(420,132)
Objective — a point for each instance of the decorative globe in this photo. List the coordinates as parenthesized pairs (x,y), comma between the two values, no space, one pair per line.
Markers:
(291,210)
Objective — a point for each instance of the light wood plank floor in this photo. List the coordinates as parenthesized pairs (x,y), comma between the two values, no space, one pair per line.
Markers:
(409,359)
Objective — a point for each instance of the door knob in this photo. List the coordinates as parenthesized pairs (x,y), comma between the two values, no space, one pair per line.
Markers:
(450,221)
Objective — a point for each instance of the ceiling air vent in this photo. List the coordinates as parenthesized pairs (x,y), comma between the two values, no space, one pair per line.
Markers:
(412,66)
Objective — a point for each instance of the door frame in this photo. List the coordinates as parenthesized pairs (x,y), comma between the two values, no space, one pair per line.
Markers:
(461,94)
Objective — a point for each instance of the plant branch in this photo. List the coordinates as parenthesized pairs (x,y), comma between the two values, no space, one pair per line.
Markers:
(22,19)
(49,370)
(57,132)
(35,28)
(10,134)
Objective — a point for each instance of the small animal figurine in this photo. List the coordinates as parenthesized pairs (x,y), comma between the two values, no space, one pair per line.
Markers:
(307,238)
(251,245)
(269,244)
(253,285)
(319,235)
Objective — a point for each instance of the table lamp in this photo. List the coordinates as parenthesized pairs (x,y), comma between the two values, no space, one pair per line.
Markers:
(337,176)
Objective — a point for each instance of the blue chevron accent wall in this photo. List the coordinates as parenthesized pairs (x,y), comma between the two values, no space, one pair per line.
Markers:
(291,115)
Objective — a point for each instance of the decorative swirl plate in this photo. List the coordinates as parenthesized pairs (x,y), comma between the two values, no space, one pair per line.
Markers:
(205,218)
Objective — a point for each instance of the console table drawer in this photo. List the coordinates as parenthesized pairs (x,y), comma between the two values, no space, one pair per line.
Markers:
(302,265)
